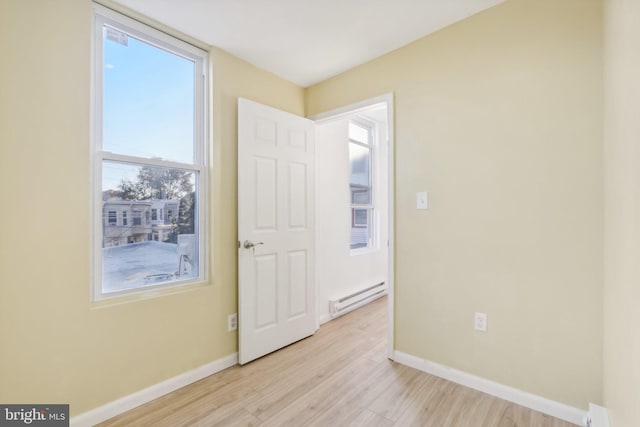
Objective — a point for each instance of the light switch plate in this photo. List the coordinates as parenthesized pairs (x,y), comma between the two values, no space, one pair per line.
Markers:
(422,200)
(480,322)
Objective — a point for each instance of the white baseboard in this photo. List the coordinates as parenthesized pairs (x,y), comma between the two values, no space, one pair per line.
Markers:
(537,403)
(598,416)
(324,318)
(117,407)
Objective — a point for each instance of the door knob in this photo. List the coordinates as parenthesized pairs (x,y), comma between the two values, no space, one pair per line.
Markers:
(248,245)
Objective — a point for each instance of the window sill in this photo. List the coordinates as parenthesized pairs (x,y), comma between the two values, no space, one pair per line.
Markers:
(132,296)
(363,251)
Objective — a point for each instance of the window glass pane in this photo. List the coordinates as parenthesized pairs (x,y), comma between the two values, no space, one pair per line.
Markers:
(360,218)
(148,100)
(150,250)
(112,218)
(358,133)
(360,174)
(360,227)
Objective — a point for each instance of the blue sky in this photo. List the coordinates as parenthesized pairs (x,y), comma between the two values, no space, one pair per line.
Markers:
(148,106)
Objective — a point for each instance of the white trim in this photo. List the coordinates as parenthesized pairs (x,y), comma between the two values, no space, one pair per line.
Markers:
(391,201)
(598,416)
(532,401)
(139,29)
(324,318)
(106,17)
(149,161)
(126,403)
(137,16)
(349,110)
(353,109)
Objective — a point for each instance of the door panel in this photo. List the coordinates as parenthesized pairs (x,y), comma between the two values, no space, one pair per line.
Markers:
(266,206)
(297,196)
(266,298)
(297,284)
(276,212)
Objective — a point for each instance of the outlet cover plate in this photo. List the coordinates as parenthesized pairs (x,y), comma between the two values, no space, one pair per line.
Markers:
(232,322)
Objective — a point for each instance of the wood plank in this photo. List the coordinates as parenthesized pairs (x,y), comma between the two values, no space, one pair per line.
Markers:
(366,418)
(338,377)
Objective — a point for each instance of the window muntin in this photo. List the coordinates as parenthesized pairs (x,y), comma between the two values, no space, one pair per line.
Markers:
(149,155)
(361,183)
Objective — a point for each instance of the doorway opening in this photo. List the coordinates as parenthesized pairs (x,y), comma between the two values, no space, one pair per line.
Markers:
(284,286)
(354,208)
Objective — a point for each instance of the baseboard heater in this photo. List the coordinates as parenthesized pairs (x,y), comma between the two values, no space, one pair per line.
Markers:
(357,299)
(598,416)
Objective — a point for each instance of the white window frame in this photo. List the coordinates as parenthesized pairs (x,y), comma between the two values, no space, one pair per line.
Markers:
(371,128)
(104,16)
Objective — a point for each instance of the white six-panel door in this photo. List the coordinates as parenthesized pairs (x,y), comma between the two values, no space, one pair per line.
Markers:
(276,229)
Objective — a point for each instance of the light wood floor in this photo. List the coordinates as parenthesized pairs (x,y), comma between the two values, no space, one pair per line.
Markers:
(339,377)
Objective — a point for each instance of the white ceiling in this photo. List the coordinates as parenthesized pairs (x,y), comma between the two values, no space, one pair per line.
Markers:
(308,41)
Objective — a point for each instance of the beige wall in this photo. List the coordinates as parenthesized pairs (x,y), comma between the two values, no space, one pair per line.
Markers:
(499,117)
(56,346)
(622,212)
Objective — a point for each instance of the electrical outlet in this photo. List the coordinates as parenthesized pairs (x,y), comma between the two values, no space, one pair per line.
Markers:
(480,322)
(232,322)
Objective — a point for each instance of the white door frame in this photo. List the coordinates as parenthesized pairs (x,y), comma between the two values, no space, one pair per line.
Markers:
(350,110)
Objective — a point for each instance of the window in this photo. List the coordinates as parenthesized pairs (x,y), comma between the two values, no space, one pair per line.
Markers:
(113,218)
(137,218)
(149,149)
(361,183)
